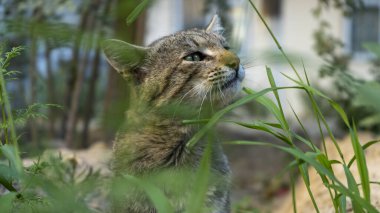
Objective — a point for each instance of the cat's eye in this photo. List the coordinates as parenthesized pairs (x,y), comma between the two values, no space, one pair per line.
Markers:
(197,56)
(227,47)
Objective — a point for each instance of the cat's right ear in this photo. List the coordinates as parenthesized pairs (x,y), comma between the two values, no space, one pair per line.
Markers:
(215,25)
(123,56)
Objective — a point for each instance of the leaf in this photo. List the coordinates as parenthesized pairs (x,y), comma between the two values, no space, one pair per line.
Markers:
(352,185)
(218,115)
(160,202)
(368,96)
(137,11)
(275,92)
(373,47)
(364,147)
(198,196)
(265,128)
(269,105)
(11,154)
(21,116)
(6,202)
(292,186)
(342,203)
(6,177)
(339,186)
(214,119)
(361,164)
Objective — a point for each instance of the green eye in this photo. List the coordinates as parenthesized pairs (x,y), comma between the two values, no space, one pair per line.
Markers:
(197,56)
(189,58)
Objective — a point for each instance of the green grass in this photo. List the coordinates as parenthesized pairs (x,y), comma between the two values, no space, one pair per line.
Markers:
(53,184)
(315,158)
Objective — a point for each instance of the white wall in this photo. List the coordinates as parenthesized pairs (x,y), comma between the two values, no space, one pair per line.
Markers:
(164,17)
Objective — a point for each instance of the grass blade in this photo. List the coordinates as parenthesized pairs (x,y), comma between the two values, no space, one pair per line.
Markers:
(137,11)
(352,185)
(12,156)
(196,203)
(361,164)
(339,186)
(157,197)
(216,117)
(292,184)
(275,40)
(364,147)
(275,92)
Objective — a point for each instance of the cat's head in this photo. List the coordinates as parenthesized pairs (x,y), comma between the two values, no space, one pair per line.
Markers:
(191,67)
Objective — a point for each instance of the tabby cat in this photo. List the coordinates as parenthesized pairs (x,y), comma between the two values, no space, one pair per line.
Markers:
(193,69)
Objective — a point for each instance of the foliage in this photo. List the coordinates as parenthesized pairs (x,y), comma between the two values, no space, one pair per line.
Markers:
(55,184)
(61,39)
(315,157)
(346,6)
(6,115)
(336,66)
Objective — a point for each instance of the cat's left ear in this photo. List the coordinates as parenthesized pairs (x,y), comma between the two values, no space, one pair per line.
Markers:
(215,25)
(123,57)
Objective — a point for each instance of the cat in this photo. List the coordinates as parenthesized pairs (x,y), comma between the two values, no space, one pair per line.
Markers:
(193,69)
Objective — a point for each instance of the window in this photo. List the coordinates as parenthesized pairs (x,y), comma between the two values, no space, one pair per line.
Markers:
(272,8)
(365,26)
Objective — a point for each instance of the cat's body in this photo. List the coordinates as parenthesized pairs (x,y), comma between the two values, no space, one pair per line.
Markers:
(191,68)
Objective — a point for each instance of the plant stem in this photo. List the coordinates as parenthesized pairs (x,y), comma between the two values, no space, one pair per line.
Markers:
(8,113)
(275,40)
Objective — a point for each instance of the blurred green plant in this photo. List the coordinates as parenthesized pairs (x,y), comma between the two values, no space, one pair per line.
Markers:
(6,114)
(55,184)
(349,90)
(346,6)
(314,157)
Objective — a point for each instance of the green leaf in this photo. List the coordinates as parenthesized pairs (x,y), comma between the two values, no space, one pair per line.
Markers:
(341,112)
(361,164)
(269,105)
(373,47)
(339,186)
(364,147)
(368,96)
(7,174)
(218,115)
(6,202)
(322,158)
(198,196)
(160,202)
(292,186)
(275,92)
(11,154)
(342,203)
(352,185)
(265,128)
(137,11)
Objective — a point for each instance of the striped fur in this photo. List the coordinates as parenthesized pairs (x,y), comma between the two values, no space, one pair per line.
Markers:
(169,89)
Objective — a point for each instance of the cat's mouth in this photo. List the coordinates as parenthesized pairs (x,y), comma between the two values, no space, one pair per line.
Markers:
(230,82)
(238,76)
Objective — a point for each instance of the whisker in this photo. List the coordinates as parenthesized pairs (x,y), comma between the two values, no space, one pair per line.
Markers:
(221,94)
(200,108)
(212,108)
(180,101)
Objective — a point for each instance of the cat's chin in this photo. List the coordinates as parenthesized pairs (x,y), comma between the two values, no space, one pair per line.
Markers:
(229,93)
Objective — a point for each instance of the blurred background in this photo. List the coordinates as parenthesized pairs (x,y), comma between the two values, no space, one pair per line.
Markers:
(335,41)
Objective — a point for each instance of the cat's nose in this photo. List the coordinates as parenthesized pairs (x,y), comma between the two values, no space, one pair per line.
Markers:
(230,60)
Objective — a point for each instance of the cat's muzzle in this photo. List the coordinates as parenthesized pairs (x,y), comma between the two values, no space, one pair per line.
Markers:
(236,78)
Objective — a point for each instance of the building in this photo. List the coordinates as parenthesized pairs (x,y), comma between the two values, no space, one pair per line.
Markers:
(292,22)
